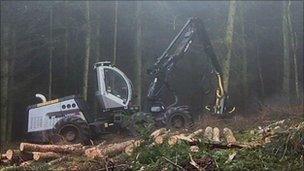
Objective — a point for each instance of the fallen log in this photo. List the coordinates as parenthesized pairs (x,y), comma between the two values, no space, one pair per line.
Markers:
(229,136)
(16,156)
(176,138)
(208,133)
(158,132)
(195,133)
(130,148)
(216,134)
(103,151)
(42,156)
(161,138)
(65,149)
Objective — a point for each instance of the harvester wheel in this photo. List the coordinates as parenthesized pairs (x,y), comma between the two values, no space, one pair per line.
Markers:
(73,130)
(178,118)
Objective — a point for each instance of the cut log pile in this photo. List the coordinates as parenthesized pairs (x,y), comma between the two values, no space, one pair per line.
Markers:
(28,153)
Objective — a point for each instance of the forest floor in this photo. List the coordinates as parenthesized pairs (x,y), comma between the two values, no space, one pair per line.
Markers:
(281,127)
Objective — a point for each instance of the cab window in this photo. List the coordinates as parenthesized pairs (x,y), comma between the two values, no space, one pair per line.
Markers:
(115,84)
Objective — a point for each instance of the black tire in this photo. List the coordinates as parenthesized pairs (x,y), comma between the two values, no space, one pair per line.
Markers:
(73,130)
(178,118)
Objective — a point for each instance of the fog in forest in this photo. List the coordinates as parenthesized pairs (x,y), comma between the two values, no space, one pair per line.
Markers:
(50,47)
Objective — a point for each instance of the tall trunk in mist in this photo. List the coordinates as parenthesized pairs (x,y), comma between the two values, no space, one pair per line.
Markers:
(259,67)
(4,81)
(87,51)
(286,53)
(293,49)
(138,52)
(229,41)
(66,45)
(11,84)
(115,33)
(97,43)
(244,62)
(50,53)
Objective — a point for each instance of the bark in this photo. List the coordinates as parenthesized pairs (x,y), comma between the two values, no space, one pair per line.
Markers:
(11,83)
(229,136)
(65,149)
(229,41)
(87,52)
(286,52)
(17,156)
(138,53)
(104,151)
(195,133)
(180,137)
(42,156)
(293,44)
(4,81)
(115,33)
(51,54)
(158,132)
(160,139)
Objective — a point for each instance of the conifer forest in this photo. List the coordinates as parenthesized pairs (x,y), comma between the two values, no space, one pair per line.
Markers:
(151,85)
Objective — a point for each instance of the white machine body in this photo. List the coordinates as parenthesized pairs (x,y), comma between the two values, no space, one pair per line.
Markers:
(44,116)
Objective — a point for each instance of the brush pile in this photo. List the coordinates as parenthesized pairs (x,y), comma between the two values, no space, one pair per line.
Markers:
(279,145)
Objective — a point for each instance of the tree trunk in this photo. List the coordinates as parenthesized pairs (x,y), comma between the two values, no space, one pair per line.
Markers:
(65,149)
(87,52)
(17,156)
(286,53)
(259,67)
(115,33)
(103,151)
(244,54)
(293,43)
(138,53)
(11,83)
(40,156)
(66,46)
(4,81)
(51,54)
(229,40)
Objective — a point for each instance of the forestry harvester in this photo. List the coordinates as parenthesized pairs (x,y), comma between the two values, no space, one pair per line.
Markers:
(70,118)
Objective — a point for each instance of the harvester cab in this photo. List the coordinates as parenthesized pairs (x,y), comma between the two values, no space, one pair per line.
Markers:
(114,87)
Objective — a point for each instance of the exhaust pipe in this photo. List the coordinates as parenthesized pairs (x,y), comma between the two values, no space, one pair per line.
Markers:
(42,97)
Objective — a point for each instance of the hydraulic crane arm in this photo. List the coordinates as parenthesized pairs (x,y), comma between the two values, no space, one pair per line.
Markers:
(178,48)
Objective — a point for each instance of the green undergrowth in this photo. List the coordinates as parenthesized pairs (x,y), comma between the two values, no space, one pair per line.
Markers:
(284,152)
